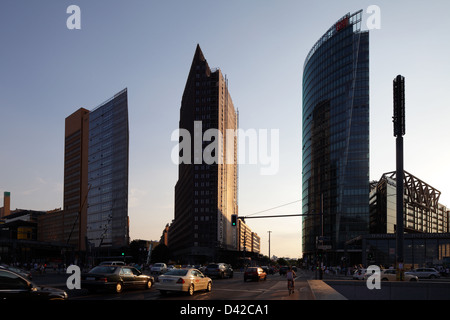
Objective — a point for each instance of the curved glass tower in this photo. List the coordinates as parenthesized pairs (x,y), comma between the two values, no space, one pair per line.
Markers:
(335,154)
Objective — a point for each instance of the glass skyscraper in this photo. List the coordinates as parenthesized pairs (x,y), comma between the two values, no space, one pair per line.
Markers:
(335,150)
(107,212)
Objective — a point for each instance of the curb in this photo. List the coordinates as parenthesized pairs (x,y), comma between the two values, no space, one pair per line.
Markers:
(322,291)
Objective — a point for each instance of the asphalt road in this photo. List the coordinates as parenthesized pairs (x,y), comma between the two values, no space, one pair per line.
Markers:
(274,288)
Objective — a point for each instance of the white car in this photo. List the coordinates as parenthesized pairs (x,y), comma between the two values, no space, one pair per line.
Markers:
(429,273)
(391,275)
(183,280)
(159,268)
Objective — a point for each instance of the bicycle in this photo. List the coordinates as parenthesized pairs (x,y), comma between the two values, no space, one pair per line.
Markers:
(291,286)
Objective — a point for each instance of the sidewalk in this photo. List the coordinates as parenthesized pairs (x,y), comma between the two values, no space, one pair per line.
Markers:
(319,289)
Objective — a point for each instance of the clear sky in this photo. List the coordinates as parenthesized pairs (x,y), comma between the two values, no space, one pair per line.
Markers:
(48,71)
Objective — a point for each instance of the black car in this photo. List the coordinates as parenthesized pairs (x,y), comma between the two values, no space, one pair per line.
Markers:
(22,272)
(116,278)
(219,270)
(14,286)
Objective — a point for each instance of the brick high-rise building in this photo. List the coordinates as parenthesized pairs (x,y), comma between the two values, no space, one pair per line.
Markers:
(206,192)
(75,178)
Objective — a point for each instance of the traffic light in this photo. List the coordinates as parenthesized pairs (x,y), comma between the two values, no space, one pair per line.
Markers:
(234,220)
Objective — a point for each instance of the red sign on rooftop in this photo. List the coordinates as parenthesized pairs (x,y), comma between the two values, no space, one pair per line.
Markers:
(341,24)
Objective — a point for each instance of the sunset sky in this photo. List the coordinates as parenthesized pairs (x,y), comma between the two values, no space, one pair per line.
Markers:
(48,71)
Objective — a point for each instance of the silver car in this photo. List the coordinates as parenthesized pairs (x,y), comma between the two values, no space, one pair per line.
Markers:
(183,280)
(429,273)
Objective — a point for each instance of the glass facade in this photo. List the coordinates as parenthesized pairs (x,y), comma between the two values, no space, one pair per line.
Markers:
(421,250)
(335,150)
(107,215)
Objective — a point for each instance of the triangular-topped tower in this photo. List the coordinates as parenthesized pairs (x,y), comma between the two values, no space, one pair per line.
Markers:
(205,194)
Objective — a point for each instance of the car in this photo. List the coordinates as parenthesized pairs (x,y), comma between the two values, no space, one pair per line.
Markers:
(283,270)
(429,273)
(112,263)
(391,275)
(14,286)
(186,280)
(159,268)
(219,270)
(22,272)
(116,278)
(255,273)
(359,274)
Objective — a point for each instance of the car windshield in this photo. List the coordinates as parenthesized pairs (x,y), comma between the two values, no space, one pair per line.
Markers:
(103,269)
(176,272)
(213,266)
(158,265)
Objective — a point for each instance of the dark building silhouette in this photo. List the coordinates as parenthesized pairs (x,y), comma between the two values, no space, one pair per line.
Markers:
(335,151)
(206,192)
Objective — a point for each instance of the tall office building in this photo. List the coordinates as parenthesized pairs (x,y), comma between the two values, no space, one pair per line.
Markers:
(107,215)
(206,192)
(335,151)
(96,175)
(75,179)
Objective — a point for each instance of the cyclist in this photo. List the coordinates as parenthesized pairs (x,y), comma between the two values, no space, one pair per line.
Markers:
(290,275)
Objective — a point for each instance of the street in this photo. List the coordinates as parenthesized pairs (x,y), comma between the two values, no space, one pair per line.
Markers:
(235,289)
(274,288)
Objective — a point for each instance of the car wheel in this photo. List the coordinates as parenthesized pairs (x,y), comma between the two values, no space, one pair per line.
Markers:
(191,290)
(209,287)
(119,287)
(432,276)
(384,279)
(149,284)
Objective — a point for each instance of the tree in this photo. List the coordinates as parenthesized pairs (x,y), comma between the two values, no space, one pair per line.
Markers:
(160,253)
